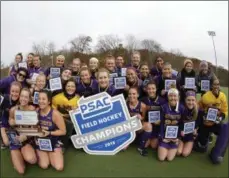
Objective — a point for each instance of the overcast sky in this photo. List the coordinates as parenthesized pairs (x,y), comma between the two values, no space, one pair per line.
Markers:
(175,25)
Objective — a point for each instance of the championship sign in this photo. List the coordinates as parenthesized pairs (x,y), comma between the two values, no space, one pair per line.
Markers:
(103,124)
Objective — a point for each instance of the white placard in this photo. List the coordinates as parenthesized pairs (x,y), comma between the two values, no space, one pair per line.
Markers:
(153,116)
(26,117)
(113,75)
(123,72)
(35,97)
(55,84)
(1,99)
(54,72)
(205,85)
(189,127)
(34,77)
(120,82)
(190,83)
(168,84)
(212,114)
(45,144)
(171,132)
(22,64)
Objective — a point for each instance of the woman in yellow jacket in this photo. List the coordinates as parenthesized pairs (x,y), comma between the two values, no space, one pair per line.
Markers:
(65,102)
(214,104)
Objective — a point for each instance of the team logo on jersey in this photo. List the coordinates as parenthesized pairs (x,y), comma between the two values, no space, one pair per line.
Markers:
(103,124)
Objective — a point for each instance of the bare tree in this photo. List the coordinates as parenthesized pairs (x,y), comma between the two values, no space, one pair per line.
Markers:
(40,48)
(36,48)
(131,43)
(107,43)
(81,44)
(177,52)
(151,45)
(51,48)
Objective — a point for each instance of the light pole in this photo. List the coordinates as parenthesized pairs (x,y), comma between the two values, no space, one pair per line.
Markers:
(212,34)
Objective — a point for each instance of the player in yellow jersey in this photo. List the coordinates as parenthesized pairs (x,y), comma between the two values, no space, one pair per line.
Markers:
(214,103)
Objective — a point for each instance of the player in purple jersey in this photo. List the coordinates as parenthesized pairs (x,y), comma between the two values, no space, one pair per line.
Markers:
(20,76)
(110,66)
(66,74)
(39,85)
(170,122)
(158,65)
(204,74)
(48,145)
(59,63)
(135,61)
(8,102)
(119,62)
(151,130)
(87,86)
(186,72)
(132,80)
(36,69)
(13,69)
(29,60)
(75,66)
(192,115)
(21,146)
(104,83)
(93,66)
(135,107)
(161,80)
(145,76)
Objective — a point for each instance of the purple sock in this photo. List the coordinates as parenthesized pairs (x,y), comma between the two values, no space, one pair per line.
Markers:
(144,137)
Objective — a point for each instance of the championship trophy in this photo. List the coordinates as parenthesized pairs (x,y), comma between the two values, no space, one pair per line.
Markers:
(27,123)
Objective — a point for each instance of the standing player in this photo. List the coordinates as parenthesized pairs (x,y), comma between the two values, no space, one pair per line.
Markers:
(135,61)
(87,85)
(162,79)
(204,78)
(158,65)
(104,85)
(76,64)
(93,66)
(186,72)
(13,69)
(119,62)
(132,80)
(59,63)
(39,85)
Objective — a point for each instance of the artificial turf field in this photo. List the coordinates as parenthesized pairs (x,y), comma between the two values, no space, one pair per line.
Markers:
(124,164)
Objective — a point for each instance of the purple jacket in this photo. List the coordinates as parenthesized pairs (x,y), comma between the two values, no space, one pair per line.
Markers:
(35,70)
(6,82)
(87,90)
(155,72)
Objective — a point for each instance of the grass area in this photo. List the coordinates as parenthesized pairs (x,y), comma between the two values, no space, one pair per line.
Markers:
(124,164)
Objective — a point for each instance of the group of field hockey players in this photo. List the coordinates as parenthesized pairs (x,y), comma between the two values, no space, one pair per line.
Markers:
(173,122)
